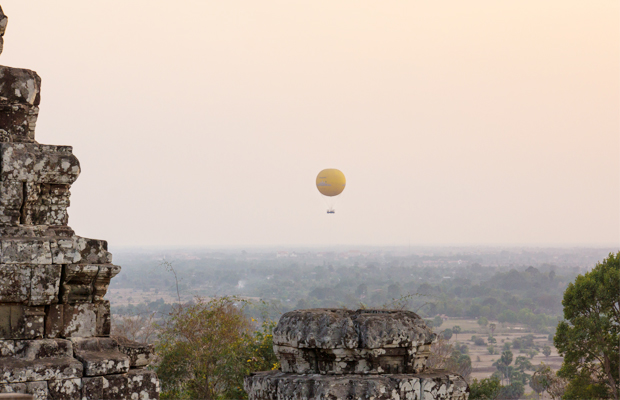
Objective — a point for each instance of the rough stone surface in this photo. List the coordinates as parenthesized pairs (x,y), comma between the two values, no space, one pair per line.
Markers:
(65,389)
(52,282)
(18,321)
(38,360)
(140,354)
(345,354)
(100,356)
(276,385)
(78,320)
(345,341)
(135,384)
(38,390)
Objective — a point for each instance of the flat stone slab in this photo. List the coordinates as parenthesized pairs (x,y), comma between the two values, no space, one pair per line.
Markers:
(41,163)
(277,385)
(100,356)
(37,360)
(13,370)
(137,383)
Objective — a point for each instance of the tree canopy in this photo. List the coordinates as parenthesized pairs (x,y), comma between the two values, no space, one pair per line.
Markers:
(589,337)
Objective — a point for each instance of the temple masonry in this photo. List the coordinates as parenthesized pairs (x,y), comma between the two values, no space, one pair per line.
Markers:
(54,321)
(329,354)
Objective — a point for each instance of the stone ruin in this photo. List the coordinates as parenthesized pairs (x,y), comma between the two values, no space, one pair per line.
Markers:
(54,321)
(344,354)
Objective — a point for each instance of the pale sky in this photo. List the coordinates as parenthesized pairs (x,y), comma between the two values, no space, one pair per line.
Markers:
(205,123)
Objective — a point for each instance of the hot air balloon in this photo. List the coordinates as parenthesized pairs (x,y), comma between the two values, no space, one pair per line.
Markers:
(331,183)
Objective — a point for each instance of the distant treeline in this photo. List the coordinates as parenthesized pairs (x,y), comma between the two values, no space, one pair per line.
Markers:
(525,294)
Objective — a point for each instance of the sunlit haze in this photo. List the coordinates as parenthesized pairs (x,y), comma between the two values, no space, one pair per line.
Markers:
(205,123)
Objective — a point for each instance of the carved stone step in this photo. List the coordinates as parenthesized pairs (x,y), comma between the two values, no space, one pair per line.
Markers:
(37,360)
(137,382)
(100,356)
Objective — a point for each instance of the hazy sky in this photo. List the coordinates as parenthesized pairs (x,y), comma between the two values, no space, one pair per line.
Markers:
(455,122)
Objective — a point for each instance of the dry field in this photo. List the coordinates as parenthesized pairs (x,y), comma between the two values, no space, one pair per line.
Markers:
(482,361)
(123,297)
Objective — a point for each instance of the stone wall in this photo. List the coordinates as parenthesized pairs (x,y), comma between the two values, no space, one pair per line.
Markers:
(54,320)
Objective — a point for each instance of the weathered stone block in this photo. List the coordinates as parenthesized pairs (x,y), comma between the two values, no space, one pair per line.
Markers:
(140,354)
(21,322)
(45,281)
(9,217)
(15,283)
(36,231)
(100,356)
(26,251)
(19,100)
(19,85)
(29,284)
(33,162)
(86,282)
(7,348)
(18,370)
(38,390)
(78,250)
(137,383)
(78,320)
(67,389)
(337,341)
(18,121)
(36,360)
(11,199)
(276,385)
(45,204)
(42,348)
(102,281)
(104,321)
(77,283)
(11,195)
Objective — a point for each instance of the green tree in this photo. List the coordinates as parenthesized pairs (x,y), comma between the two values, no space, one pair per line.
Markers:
(482,321)
(437,321)
(447,334)
(207,347)
(456,330)
(503,364)
(513,391)
(541,380)
(485,389)
(492,327)
(589,337)
(523,364)
(546,350)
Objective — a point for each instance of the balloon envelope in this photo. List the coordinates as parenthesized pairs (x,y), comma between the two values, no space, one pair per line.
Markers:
(330,182)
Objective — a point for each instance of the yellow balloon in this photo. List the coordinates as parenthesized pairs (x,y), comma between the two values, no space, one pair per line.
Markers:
(330,182)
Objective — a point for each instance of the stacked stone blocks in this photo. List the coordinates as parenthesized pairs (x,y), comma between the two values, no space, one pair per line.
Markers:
(346,354)
(54,320)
